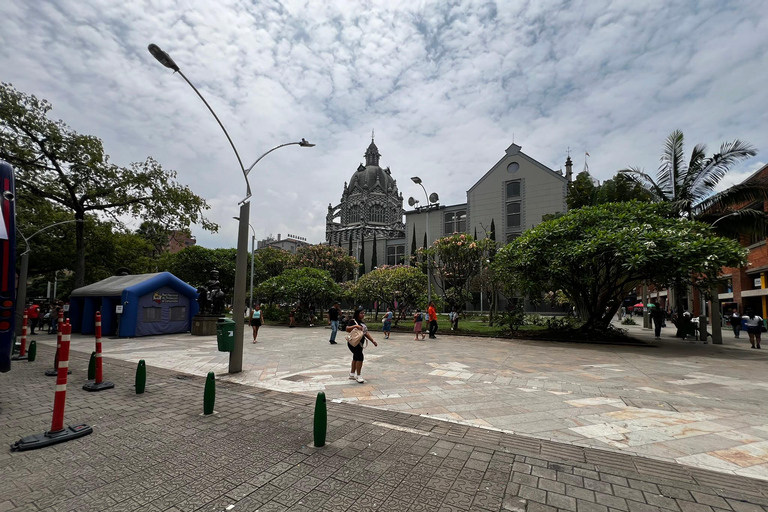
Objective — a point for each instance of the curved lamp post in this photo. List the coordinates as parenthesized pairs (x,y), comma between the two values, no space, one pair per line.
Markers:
(21,294)
(236,356)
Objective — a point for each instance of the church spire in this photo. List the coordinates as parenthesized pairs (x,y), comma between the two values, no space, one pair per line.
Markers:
(372,153)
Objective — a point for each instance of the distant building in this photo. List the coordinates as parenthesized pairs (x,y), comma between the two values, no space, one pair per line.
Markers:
(290,243)
(178,240)
(370,206)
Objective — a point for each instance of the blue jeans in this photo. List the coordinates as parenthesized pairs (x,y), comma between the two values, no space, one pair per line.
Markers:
(334,329)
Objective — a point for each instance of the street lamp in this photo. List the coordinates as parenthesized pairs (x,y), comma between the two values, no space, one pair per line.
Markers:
(236,356)
(253,253)
(431,198)
(21,294)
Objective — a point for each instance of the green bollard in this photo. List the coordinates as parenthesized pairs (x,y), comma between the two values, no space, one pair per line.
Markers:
(209,395)
(141,377)
(92,367)
(32,351)
(321,420)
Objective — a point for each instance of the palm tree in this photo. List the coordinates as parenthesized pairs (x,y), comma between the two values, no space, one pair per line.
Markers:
(690,187)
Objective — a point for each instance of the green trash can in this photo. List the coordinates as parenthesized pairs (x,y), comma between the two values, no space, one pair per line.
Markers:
(225,334)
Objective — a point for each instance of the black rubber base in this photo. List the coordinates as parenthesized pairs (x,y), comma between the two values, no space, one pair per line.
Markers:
(54,373)
(92,386)
(48,438)
(19,358)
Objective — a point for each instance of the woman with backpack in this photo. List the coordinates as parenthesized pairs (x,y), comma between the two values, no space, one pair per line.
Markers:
(754,325)
(357,350)
(418,322)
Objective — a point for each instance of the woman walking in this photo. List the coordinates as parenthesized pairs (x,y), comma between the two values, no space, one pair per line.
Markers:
(388,323)
(418,325)
(256,320)
(754,327)
(357,351)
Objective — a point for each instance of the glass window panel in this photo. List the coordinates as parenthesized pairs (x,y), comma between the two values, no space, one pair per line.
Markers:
(461,222)
(513,189)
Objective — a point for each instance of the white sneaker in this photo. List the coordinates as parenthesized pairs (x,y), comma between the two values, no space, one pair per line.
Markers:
(360,380)
(352,376)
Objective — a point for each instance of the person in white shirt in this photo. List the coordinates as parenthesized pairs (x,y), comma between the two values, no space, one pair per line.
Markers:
(754,327)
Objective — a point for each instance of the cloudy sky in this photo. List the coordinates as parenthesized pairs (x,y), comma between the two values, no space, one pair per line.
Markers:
(445,84)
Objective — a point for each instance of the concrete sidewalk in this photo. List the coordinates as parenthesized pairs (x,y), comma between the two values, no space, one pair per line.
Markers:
(155,452)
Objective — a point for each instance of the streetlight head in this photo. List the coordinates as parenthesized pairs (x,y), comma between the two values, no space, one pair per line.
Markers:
(306,144)
(416,180)
(162,57)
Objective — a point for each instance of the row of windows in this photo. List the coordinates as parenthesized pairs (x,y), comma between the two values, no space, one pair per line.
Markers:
(153,314)
(514,209)
(455,222)
(376,213)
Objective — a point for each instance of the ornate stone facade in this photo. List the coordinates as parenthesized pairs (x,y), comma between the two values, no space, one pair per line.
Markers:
(369,203)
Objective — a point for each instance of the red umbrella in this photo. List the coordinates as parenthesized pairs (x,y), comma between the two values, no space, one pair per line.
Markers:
(638,305)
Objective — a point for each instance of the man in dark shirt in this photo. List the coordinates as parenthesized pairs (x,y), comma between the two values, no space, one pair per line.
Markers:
(333,321)
(657,315)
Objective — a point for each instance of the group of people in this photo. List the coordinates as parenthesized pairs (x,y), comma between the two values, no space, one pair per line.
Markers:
(752,323)
(36,319)
(418,323)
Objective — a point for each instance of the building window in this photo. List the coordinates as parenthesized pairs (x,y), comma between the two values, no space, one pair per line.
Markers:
(354,214)
(455,222)
(151,314)
(377,213)
(513,167)
(396,255)
(179,314)
(513,214)
(512,236)
(513,190)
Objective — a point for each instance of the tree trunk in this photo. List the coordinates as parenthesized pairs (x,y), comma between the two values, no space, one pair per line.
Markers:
(80,245)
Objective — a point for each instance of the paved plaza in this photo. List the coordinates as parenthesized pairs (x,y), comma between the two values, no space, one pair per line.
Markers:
(696,404)
(156,452)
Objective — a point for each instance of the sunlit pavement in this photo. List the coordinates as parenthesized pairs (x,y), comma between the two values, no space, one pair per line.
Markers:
(698,404)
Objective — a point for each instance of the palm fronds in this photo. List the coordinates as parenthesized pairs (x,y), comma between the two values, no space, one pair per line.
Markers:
(639,177)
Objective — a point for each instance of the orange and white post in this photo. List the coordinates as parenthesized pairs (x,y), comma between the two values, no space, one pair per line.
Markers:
(99,384)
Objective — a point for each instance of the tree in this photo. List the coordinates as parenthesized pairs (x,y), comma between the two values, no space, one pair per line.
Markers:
(690,188)
(585,191)
(362,256)
(493,231)
(194,265)
(425,240)
(270,262)
(350,245)
(455,260)
(387,284)
(597,255)
(374,255)
(325,257)
(475,232)
(306,286)
(57,164)
(413,245)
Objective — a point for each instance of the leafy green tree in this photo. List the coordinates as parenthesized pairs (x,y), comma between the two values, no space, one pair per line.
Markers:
(194,265)
(362,257)
(270,262)
(374,255)
(583,191)
(387,284)
(325,257)
(597,255)
(455,260)
(690,187)
(72,170)
(306,286)
(413,246)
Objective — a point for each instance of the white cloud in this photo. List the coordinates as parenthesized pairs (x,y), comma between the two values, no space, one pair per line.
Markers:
(445,85)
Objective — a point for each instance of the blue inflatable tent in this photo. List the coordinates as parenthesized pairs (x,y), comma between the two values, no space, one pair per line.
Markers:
(152,304)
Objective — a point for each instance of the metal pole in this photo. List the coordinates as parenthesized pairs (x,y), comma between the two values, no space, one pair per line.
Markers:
(55,284)
(429,265)
(241,266)
(253,254)
(21,294)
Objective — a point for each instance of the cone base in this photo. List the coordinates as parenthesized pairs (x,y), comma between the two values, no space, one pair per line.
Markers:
(92,386)
(54,373)
(36,441)
(20,358)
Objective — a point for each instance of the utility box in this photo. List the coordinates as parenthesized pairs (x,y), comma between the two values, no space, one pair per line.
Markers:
(225,334)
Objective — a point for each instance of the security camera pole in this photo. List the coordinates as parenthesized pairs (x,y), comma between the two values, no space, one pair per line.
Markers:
(236,356)
(430,199)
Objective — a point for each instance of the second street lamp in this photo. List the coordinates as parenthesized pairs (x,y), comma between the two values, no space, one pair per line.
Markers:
(236,356)
(431,198)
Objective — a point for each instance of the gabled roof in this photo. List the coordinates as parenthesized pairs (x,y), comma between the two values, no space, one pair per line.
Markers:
(514,149)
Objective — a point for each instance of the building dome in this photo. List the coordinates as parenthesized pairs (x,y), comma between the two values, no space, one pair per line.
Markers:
(366,177)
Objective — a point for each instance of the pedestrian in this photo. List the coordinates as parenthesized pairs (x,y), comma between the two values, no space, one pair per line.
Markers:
(622,312)
(333,321)
(256,320)
(685,323)
(432,312)
(452,317)
(292,317)
(357,351)
(418,324)
(657,315)
(387,323)
(312,315)
(33,313)
(754,326)
(736,322)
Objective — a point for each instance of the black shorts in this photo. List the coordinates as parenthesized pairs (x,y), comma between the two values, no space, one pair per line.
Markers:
(357,352)
(255,322)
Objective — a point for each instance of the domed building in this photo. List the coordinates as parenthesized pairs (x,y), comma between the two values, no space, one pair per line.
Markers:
(371,209)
